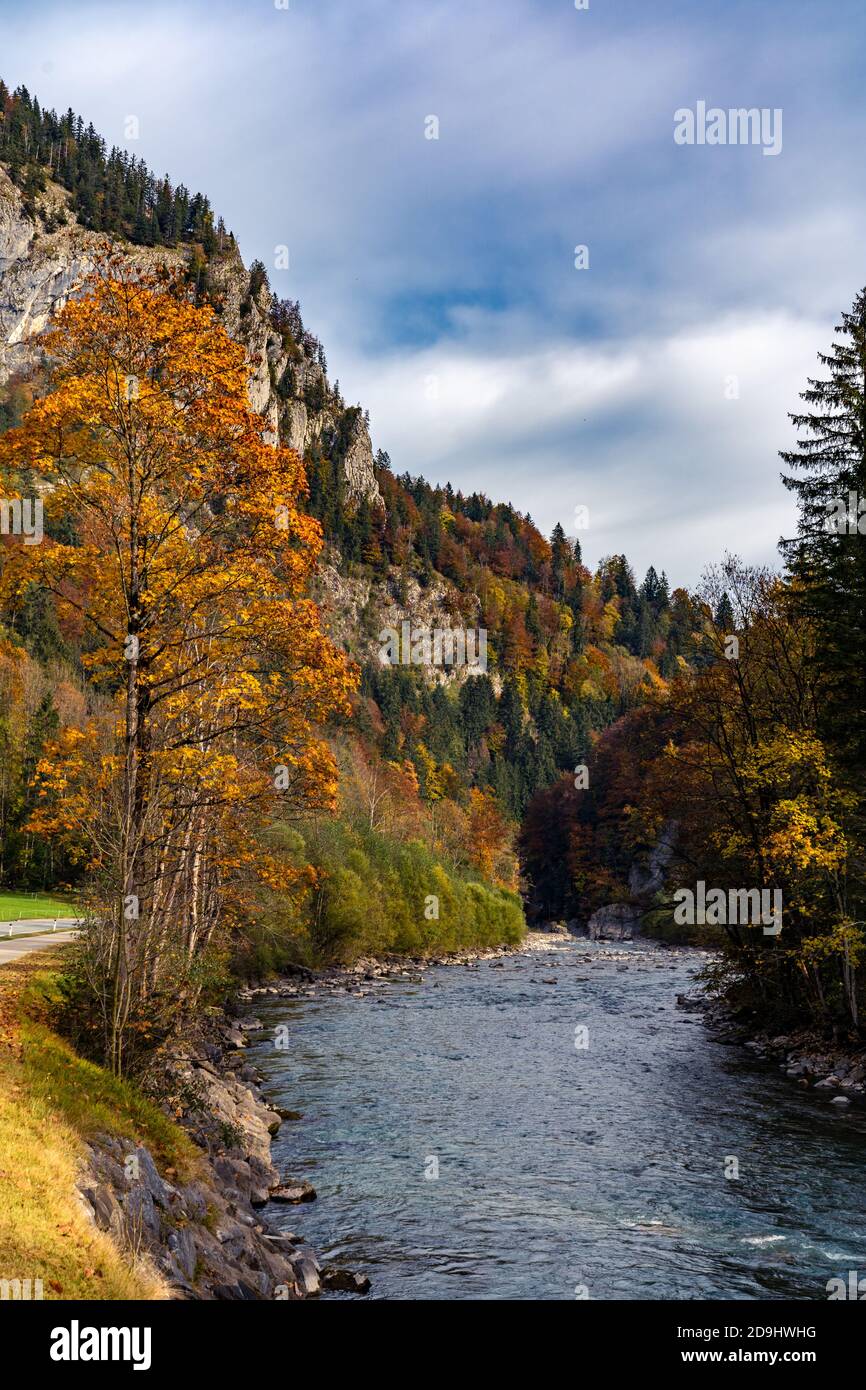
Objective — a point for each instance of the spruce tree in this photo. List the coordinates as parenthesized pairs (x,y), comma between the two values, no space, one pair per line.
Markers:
(827,559)
(561,558)
(724,615)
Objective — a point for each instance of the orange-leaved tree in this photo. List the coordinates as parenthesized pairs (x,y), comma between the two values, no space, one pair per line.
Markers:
(175,548)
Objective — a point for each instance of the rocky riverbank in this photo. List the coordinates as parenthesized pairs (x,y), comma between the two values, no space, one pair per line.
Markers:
(208,1237)
(373,972)
(836,1071)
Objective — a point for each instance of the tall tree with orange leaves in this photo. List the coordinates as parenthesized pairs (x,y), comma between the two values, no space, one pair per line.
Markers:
(174,545)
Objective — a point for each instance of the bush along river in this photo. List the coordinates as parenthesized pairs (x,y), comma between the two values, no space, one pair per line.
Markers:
(551,1125)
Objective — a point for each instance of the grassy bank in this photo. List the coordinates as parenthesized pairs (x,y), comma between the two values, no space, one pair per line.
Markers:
(51,1101)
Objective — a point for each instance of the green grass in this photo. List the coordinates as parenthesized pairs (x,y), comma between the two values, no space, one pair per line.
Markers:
(87,1096)
(25,905)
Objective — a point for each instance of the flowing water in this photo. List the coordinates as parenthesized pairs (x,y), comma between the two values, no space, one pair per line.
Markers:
(561,1167)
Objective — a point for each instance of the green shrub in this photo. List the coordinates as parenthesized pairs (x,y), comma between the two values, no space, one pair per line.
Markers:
(377,895)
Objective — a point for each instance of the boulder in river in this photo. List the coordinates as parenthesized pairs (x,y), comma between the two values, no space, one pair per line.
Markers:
(615,922)
(291,1191)
(344,1280)
(306,1271)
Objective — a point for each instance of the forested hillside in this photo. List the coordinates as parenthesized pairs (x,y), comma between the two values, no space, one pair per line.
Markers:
(111,191)
(417,801)
(569,651)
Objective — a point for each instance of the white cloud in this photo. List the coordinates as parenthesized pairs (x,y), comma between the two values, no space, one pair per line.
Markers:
(673,470)
(305,127)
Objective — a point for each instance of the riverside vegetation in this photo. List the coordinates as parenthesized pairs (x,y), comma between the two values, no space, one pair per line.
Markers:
(198,734)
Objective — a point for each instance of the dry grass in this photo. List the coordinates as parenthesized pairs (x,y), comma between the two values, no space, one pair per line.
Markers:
(51,1100)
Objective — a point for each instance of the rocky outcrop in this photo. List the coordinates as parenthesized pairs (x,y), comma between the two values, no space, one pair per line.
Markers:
(646,878)
(357,610)
(622,921)
(615,922)
(41,268)
(44,261)
(358,464)
(205,1235)
(35,279)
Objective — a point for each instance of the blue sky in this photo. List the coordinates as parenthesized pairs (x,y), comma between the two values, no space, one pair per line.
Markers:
(652,387)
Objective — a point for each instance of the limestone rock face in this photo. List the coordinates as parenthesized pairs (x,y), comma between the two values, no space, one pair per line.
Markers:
(359,463)
(296,426)
(645,880)
(41,268)
(357,611)
(37,274)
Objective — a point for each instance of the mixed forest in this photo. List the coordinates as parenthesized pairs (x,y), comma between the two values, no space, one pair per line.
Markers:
(187,751)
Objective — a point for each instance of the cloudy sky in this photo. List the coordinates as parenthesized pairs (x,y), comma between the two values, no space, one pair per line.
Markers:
(651,387)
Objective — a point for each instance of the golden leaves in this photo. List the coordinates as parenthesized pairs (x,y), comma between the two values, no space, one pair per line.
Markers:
(177,546)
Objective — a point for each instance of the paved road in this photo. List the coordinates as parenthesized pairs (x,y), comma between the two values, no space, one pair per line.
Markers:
(30,926)
(34,941)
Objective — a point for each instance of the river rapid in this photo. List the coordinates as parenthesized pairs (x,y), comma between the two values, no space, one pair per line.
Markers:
(550,1126)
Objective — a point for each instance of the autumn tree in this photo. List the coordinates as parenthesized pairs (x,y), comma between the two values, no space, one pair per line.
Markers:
(756,794)
(490,840)
(382,796)
(176,549)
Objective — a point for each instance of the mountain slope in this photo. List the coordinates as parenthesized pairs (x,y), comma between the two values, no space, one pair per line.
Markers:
(567,652)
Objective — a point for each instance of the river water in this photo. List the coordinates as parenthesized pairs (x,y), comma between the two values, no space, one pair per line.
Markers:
(466,1142)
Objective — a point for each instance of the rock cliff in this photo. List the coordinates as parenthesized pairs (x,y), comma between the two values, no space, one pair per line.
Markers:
(45,259)
(622,921)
